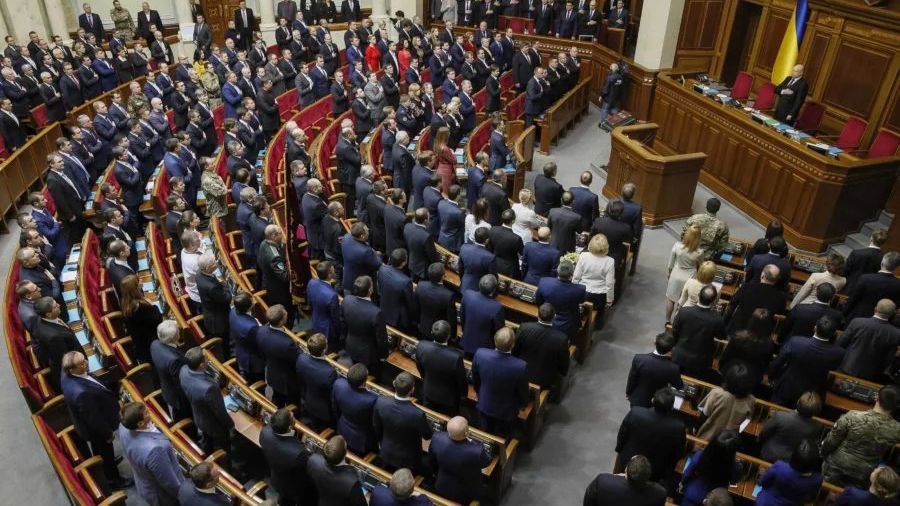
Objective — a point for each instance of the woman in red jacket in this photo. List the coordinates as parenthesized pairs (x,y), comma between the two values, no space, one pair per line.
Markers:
(444,158)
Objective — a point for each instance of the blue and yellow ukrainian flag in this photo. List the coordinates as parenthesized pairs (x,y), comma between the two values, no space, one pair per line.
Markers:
(790,45)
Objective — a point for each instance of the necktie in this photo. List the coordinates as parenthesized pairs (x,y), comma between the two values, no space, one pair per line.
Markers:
(244,12)
(90,21)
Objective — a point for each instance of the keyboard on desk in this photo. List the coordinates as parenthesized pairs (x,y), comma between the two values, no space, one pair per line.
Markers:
(809,265)
(517,290)
(855,391)
(735,248)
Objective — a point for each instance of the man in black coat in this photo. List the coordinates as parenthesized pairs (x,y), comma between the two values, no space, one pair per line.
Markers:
(400,426)
(803,364)
(273,272)
(873,287)
(336,481)
(864,260)
(91,23)
(545,349)
(617,232)
(652,371)
(395,293)
(53,338)
(777,247)
(695,329)
(436,301)
(564,224)
(268,110)
(442,370)
(167,362)
(245,24)
(547,191)
(280,353)
(871,343)
(349,164)
(494,191)
(395,220)
(364,329)
(375,207)
(507,246)
(791,94)
(403,162)
(801,321)
(288,459)
(420,244)
(207,405)
(523,66)
(634,489)
(145,18)
(332,231)
(94,409)
(654,432)
(214,298)
(751,296)
(314,210)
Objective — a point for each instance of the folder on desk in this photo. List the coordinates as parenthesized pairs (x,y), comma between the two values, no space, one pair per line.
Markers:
(74,316)
(140,245)
(143,264)
(94,363)
(148,287)
(82,337)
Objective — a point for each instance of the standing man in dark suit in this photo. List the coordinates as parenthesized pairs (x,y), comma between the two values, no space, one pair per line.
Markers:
(146,19)
(272,270)
(353,407)
(11,127)
(442,370)
(314,211)
(507,246)
(317,377)
(245,24)
(545,350)
(91,23)
(565,295)
(366,339)
(791,94)
(359,258)
(350,10)
(209,413)
(567,24)
(326,309)
(618,234)
(287,457)
(394,220)
(751,296)
(202,37)
(653,371)
(53,338)
(336,481)
(547,191)
(773,257)
(458,462)
(214,297)
(536,92)
(481,315)
(150,455)
(801,321)
(585,202)
(451,218)
(539,258)
(280,352)
(94,409)
(618,17)
(401,427)
(420,244)
(803,364)
(494,191)
(632,214)
(475,260)
(523,66)
(871,343)
(167,362)
(376,202)
(864,260)
(349,163)
(564,225)
(243,328)
(395,293)
(435,301)
(501,381)
(201,489)
(695,329)
(634,488)
(873,287)
(286,9)
(654,432)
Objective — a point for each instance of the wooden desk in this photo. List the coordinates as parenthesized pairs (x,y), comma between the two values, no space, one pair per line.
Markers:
(564,113)
(819,199)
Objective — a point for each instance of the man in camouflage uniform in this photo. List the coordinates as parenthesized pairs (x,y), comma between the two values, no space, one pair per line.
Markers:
(713,231)
(859,441)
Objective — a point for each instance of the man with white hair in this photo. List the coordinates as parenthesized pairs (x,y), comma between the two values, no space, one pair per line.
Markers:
(167,361)
(349,161)
(214,297)
(160,50)
(363,188)
(403,162)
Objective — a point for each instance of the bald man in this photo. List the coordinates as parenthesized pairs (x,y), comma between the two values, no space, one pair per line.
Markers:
(457,462)
(791,94)
(752,295)
(501,381)
(871,343)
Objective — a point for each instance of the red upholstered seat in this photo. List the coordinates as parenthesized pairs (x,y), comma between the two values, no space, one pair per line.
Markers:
(222,167)
(4,153)
(64,468)
(516,108)
(765,97)
(162,189)
(218,120)
(273,49)
(810,116)
(51,204)
(507,80)
(742,85)
(426,76)
(39,116)
(851,133)
(170,115)
(480,138)
(286,102)
(375,150)
(885,144)
(479,100)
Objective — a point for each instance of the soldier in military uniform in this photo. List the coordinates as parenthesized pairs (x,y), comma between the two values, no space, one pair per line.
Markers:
(860,439)
(137,100)
(713,231)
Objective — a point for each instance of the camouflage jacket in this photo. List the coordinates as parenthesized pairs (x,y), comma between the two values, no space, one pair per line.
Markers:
(713,233)
(856,444)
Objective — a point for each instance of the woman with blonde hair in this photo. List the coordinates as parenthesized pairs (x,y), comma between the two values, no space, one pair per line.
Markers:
(690,294)
(140,316)
(444,159)
(476,219)
(596,270)
(527,221)
(682,266)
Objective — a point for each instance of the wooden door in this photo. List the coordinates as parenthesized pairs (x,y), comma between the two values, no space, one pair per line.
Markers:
(218,13)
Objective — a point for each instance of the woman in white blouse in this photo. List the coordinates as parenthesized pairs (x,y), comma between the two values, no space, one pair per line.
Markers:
(596,270)
(834,267)
(690,294)
(526,219)
(476,219)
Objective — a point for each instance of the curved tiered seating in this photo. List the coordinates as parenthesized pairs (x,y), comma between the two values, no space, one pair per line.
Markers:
(29,376)
(167,276)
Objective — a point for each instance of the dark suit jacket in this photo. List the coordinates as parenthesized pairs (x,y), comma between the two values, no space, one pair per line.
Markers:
(338,485)
(287,458)
(802,366)
(564,223)
(375,207)
(394,223)
(649,372)
(507,246)
(207,405)
(801,321)
(497,201)
(614,489)
(501,381)
(359,260)
(783,431)
(94,25)
(167,362)
(143,25)
(395,293)
(861,261)
(215,301)
(475,261)
(545,350)
(760,261)
(314,210)
(422,252)
(695,329)
(871,344)
(587,204)
(616,232)
(188,493)
(566,298)
(748,298)
(317,376)
(353,409)
(539,260)
(659,437)
(13,133)
(458,465)
(481,317)
(94,407)
(452,225)
(280,353)
(243,329)
(789,105)
(435,302)
(868,291)
(366,335)
(400,427)
(443,373)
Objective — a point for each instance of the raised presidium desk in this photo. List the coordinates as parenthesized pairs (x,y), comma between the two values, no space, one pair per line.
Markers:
(765,171)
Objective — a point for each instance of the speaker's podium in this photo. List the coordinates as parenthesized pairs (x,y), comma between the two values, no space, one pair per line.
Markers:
(665,183)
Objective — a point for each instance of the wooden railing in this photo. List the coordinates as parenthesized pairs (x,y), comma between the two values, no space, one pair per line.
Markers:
(563,114)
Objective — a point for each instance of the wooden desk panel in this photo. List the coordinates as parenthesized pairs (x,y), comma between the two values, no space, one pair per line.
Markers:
(769,176)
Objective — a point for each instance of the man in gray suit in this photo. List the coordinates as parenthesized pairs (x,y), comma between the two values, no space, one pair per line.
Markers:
(157,476)
(205,396)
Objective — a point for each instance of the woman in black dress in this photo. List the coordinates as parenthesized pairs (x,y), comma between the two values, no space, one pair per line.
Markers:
(140,316)
(123,65)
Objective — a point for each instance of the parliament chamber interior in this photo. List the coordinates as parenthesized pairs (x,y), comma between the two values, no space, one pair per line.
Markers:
(480,252)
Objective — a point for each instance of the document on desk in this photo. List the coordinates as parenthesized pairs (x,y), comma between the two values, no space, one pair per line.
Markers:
(679,401)
(744,425)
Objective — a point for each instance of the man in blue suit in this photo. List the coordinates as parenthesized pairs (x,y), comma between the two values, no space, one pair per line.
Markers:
(452,220)
(167,361)
(94,409)
(319,78)
(481,315)
(157,476)
(129,178)
(442,370)
(499,150)
(475,260)
(585,202)
(458,462)
(395,293)
(422,252)
(353,407)
(314,209)
(803,363)
(73,167)
(466,108)
(400,427)
(399,492)
(449,87)
(49,227)
(280,352)
(366,338)
(651,371)
(231,95)
(359,258)
(801,320)
(151,89)
(176,167)
(287,457)
(436,301)
(775,256)
(336,481)
(70,88)
(539,258)
(477,177)
(536,92)
(457,54)
(326,309)
(501,381)
(568,23)
(242,327)
(209,413)
(566,296)
(200,490)
(317,377)
(108,76)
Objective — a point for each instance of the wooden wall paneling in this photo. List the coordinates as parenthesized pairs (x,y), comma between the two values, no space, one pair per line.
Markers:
(703,30)
(768,41)
(892,118)
(855,78)
(816,53)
